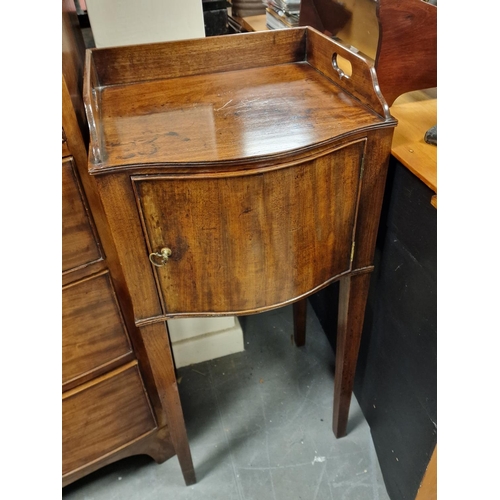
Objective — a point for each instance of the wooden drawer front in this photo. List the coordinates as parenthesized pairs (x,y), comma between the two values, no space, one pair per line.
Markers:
(251,240)
(93,331)
(102,416)
(79,242)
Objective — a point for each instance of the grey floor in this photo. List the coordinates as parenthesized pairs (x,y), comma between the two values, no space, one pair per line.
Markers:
(259,427)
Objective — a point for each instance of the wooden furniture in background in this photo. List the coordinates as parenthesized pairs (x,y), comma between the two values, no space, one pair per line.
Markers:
(428,488)
(239,174)
(416,113)
(407,47)
(252,23)
(404,47)
(119,395)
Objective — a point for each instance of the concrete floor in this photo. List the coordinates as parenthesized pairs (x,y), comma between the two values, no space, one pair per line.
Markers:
(259,427)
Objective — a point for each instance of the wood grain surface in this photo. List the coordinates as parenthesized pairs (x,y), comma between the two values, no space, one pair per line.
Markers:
(94,334)
(249,242)
(95,431)
(428,489)
(407,47)
(245,114)
(416,113)
(79,238)
(142,101)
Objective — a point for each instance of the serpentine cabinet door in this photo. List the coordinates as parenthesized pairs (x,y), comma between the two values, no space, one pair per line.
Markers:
(242,241)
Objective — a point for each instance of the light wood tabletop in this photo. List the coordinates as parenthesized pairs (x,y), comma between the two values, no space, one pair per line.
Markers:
(416,113)
(253,23)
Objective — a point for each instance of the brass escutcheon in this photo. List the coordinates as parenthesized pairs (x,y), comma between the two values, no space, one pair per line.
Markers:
(160,258)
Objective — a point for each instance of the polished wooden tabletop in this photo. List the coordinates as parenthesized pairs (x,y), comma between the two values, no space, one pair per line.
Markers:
(238,115)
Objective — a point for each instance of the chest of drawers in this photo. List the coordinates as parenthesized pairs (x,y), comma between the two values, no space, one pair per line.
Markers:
(112,381)
(239,174)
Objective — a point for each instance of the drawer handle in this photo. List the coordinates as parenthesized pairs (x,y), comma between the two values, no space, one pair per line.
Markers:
(160,258)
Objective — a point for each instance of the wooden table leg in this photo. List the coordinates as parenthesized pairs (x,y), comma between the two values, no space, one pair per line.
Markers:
(352,301)
(157,346)
(299,322)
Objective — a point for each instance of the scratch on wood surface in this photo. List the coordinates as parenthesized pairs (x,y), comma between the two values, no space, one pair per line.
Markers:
(230,100)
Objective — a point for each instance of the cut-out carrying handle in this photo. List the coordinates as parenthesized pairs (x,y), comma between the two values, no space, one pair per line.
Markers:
(353,71)
(341,65)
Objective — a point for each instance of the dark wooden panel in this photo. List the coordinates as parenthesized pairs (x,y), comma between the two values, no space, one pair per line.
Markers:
(102,416)
(290,228)
(396,382)
(397,371)
(93,331)
(396,376)
(412,217)
(79,241)
(407,47)
(403,434)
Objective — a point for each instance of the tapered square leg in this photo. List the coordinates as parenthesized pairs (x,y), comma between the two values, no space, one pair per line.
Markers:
(352,302)
(157,346)
(299,322)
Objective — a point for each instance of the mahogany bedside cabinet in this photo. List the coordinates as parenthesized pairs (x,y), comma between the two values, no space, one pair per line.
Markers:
(238,174)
